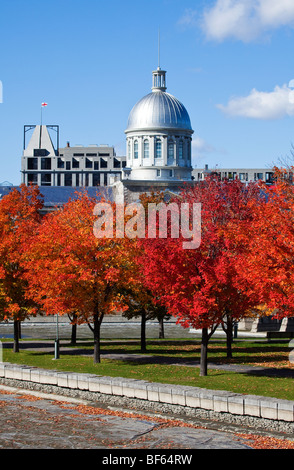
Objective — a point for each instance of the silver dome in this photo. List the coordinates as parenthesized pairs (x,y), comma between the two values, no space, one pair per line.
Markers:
(158,110)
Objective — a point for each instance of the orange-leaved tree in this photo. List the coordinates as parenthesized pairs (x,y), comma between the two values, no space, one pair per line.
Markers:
(19,220)
(72,270)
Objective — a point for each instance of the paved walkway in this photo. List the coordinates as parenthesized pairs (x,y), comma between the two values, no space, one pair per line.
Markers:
(40,421)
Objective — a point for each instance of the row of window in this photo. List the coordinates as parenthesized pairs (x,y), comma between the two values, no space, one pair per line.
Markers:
(100,154)
(268,176)
(158,149)
(66,179)
(46,163)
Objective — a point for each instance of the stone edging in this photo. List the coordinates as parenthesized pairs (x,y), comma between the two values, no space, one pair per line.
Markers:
(186,399)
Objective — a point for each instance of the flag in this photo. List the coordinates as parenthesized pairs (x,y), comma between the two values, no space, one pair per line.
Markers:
(44,104)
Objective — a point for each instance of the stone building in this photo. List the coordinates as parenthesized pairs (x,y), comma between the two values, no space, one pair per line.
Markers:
(44,164)
(159,136)
(158,143)
(243,174)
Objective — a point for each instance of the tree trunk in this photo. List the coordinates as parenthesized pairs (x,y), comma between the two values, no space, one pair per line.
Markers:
(143,332)
(204,347)
(73,334)
(229,333)
(96,331)
(16,336)
(161,328)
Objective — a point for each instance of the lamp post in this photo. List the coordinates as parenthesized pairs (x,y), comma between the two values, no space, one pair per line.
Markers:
(56,344)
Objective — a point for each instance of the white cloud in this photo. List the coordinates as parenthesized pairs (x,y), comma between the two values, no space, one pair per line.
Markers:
(200,150)
(246,20)
(189,18)
(262,105)
(276,13)
(200,147)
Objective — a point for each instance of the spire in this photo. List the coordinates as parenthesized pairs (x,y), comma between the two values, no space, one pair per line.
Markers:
(159,81)
(159,48)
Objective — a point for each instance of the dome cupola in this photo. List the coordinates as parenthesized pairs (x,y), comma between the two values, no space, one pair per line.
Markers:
(159,109)
(159,136)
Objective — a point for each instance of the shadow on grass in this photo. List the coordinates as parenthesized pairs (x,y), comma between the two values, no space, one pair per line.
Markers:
(175,354)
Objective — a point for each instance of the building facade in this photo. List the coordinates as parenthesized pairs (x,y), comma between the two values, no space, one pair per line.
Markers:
(245,175)
(44,164)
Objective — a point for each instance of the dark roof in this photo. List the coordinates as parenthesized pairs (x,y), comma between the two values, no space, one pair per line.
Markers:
(56,196)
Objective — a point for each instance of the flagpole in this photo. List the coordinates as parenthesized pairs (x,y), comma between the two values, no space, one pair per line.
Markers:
(42,106)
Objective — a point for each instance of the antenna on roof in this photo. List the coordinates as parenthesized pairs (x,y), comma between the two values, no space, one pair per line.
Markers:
(158,48)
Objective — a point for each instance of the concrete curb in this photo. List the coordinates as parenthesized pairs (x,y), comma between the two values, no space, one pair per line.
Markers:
(218,401)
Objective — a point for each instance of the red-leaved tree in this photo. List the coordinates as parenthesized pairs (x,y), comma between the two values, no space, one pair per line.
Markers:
(200,286)
(269,240)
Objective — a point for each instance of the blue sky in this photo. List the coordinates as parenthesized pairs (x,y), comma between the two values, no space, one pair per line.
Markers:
(228,61)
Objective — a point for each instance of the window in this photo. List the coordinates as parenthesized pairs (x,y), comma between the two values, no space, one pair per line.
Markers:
(78,154)
(60,163)
(75,163)
(96,165)
(32,163)
(136,150)
(96,179)
(89,163)
(171,173)
(157,172)
(103,163)
(116,163)
(40,152)
(45,163)
(45,179)
(68,167)
(33,178)
(129,150)
(171,150)
(146,148)
(68,179)
(181,149)
(158,148)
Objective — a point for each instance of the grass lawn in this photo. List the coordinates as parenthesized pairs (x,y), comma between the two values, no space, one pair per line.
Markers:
(262,353)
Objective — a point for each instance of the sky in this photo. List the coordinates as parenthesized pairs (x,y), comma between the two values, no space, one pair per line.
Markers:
(228,61)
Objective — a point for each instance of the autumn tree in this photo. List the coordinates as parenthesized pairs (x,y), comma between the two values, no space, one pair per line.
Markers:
(19,220)
(71,270)
(269,241)
(142,304)
(200,286)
